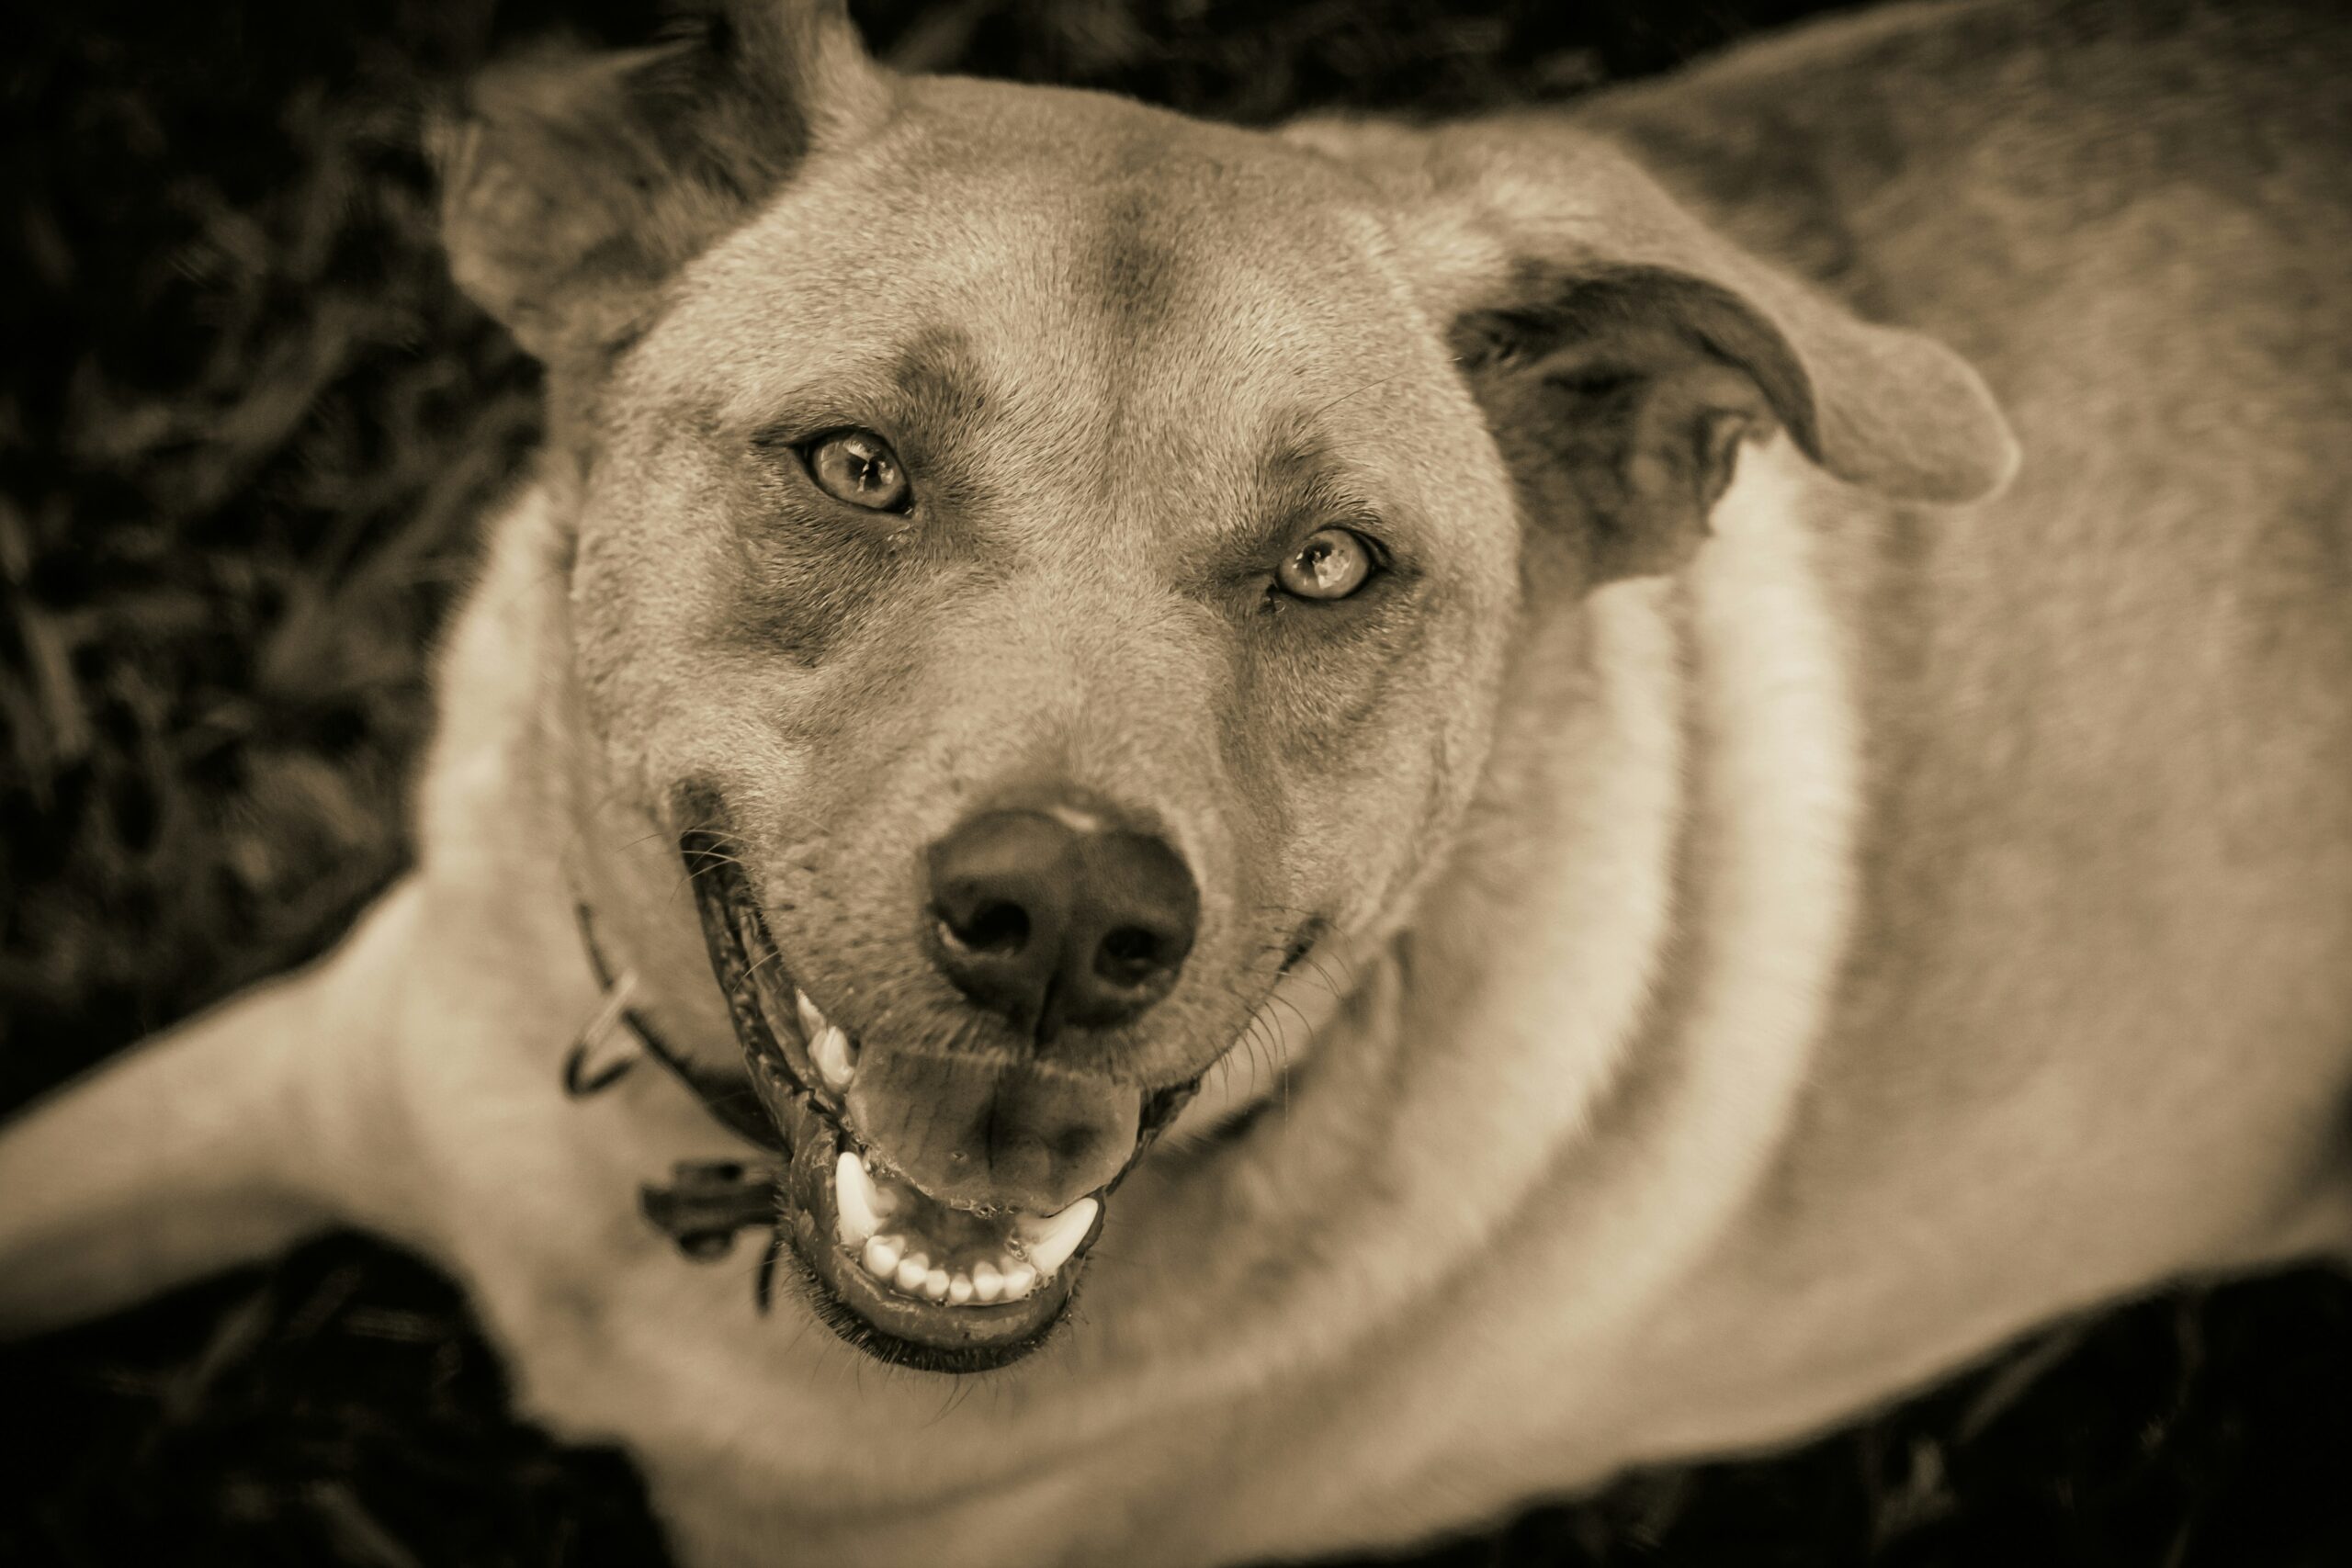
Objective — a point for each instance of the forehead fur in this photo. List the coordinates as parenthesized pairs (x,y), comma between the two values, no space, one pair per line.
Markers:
(1110,272)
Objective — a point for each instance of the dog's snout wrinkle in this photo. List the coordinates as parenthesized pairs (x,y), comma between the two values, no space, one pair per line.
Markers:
(1054,921)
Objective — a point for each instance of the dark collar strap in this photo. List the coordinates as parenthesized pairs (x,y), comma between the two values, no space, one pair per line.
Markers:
(706,1201)
(725,1092)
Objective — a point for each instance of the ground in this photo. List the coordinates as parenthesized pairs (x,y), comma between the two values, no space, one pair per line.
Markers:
(245,426)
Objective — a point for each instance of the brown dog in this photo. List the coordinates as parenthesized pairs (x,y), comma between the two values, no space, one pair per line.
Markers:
(1695,889)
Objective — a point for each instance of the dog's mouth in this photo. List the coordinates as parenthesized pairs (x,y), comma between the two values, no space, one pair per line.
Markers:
(909,1279)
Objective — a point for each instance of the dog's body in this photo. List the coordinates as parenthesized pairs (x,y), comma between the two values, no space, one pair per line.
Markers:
(1862,936)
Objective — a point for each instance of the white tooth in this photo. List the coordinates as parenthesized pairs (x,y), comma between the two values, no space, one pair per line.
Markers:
(857,1213)
(882,1255)
(987,1284)
(1052,1239)
(828,1048)
(1018,1280)
(812,1023)
(913,1268)
(935,1284)
(959,1290)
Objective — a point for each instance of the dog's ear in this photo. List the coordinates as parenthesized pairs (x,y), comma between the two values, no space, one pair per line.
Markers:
(1622,349)
(576,183)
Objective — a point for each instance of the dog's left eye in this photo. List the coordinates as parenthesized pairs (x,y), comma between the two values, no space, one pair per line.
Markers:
(1332,564)
(859,467)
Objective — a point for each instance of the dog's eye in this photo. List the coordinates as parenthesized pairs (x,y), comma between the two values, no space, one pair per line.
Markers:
(1332,564)
(859,467)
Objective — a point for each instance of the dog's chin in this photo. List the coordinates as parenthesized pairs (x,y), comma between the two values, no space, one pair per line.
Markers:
(909,1279)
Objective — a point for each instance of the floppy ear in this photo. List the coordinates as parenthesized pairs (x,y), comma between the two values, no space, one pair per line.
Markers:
(1623,350)
(576,184)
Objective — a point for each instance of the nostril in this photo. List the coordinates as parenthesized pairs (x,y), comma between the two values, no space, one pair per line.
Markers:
(1130,955)
(997,926)
(1057,923)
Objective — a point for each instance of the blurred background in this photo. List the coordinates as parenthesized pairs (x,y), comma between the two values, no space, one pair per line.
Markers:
(247,426)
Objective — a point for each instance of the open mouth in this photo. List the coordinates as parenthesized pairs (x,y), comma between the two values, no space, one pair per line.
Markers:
(900,1274)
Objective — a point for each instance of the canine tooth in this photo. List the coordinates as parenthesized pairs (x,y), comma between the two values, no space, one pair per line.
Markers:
(882,1254)
(935,1284)
(1018,1280)
(959,1290)
(829,1049)
(987,1284)
(913,1268)
(857,1211)
(812,1023)
(1052,1239)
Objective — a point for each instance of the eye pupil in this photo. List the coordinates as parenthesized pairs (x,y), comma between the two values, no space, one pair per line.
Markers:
(1333,564)
(859,467)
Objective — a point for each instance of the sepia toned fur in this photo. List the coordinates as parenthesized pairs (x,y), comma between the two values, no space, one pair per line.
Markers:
(1829,844)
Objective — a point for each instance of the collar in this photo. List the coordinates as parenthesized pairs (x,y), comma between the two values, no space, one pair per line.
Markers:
(705,1203)
(726,1092)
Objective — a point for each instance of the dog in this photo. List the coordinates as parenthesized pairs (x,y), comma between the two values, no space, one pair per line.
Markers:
(1165,844)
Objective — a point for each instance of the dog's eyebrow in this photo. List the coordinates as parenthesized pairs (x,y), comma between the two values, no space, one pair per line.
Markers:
(1296,480)
(930,387)
(1299,478)
(1300,474)
(937,382)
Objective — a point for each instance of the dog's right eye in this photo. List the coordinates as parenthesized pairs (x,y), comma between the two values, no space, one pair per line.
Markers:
(1331,565)
(859,467)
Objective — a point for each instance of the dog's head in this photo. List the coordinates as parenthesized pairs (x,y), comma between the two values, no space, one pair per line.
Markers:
(1049,564)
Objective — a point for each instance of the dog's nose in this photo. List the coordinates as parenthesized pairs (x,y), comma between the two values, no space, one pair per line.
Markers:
(1060,918)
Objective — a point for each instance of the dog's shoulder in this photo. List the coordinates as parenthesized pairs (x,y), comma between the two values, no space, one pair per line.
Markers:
(2025,121)
(2130,218)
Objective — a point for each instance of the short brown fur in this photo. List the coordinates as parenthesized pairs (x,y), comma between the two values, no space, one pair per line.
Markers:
(1826,848)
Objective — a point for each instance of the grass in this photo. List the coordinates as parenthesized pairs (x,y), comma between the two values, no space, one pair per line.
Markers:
(246,424)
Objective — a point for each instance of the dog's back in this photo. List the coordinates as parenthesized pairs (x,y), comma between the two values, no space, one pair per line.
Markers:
(2110,715)
(2134,219)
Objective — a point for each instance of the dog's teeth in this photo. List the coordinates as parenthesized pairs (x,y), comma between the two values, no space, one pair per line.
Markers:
(1051,1238)
(1041,1245)
(836,1059)
(913,1270)
(856,1206)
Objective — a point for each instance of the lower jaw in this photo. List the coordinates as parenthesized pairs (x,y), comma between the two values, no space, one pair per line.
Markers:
(868,1314)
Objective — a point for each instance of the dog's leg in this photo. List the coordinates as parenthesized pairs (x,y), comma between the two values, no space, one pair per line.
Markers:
(218,1142)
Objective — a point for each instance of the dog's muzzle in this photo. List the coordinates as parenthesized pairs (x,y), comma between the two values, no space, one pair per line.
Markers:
(926,1275)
